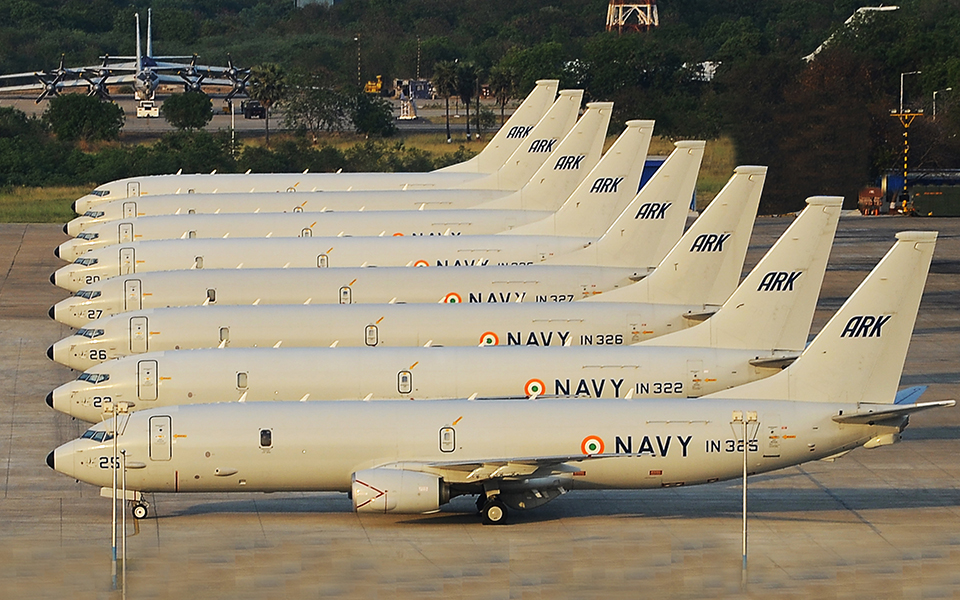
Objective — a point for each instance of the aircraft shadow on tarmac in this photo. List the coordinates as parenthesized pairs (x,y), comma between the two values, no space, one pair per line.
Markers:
(708,502)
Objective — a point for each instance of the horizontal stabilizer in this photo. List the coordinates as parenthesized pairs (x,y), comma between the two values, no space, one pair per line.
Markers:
(870,414)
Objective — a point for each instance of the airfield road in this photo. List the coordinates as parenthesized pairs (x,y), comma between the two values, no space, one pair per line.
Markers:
(877,523)
(432,121)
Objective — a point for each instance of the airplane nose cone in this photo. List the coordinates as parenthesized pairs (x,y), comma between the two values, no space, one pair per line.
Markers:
(53,278)
(73,207)
(65,225)
(56,251)
(50,355)
(53,313)
(50,461)
(50,399)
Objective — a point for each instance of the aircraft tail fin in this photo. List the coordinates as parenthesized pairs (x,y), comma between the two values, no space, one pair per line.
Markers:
(576,155)
(604,193)
(149,32)
(773,307)
(535,149)
(654,218)
(512,133)
(858,356)
(139,51)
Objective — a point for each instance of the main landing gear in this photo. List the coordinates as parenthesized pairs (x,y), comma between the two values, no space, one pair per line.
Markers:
(139,508)
(492,509)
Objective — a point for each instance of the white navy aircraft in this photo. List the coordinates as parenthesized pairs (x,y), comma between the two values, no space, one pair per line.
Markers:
(599,323)
(508,184)
(555,241)
(493,156)
(610,184)
(413,457)
(762,327)
(718,235)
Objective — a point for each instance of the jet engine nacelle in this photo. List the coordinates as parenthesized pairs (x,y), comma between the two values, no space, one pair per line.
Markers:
(397,490)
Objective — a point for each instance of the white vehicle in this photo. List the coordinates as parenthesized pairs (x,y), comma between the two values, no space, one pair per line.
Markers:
(710,278)
(758,331)
(602,195)
(801,253)
(412,457)
(620,245)
(148,109)
(493,156)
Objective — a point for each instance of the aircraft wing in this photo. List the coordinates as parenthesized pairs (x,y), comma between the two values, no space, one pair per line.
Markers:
(477,471)
(881,412)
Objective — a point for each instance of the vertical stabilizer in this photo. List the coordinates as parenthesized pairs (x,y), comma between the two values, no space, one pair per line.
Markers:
(139,50)
(149,32)
(604,193)
(858,355)
(513,132)
(704,266)
(644,231)
(535,149)
(575,156)
(773,307)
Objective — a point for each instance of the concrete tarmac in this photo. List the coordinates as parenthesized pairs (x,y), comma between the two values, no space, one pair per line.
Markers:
(876,523)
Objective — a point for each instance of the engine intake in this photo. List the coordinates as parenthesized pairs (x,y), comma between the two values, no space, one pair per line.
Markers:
(396,490)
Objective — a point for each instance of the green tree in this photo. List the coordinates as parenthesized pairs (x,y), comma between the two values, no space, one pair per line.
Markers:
(467,86)
(314,106)
(444,82)
(503,86)
(79,117)
(372,115)
(268,86)
(190,110)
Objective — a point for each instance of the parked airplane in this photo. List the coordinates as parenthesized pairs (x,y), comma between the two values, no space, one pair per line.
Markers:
(620,245)
(413,457)
(144,72)
(525,163)
(763,328)
(801,253)
(527,283)
(505,142)
(602,195)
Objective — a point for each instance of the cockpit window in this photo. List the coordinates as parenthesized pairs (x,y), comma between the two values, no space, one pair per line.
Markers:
(97,436)
(93,214)
(87,262)
(100,193)
(88,294)
(94,377)
(88,235)
(90,333)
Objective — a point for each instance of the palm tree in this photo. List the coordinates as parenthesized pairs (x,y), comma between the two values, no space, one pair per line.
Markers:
(503,86)
(444,79)
(466,85)
(268,86)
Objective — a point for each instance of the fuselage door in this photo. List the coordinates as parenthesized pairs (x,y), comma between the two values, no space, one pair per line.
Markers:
(147,380)
(133,189)
(770,432)
(138,335)
(125,233)
(307,232)
(160,448)
(132,300)
(346,295)
(323,261)
(126,261)
(129,210)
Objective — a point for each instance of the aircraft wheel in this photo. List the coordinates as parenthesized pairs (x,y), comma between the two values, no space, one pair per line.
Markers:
(139,511)
(494,512)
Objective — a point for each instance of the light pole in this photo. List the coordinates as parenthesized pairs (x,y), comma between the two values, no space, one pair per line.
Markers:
(744,418)
(902,75)
(356,38)
(906,118)
(949,89)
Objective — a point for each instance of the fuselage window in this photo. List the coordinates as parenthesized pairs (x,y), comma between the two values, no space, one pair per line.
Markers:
(93,377)
(93,214)
(266,438)
(404,382)
(87,262)
(88,294)
(88,235)
(90,333)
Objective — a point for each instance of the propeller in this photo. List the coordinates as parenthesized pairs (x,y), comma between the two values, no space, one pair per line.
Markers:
(192,84)
(51,81)
(97,79)
(238,77)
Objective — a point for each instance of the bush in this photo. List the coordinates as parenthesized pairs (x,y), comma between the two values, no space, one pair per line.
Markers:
(74,117)
(190,110)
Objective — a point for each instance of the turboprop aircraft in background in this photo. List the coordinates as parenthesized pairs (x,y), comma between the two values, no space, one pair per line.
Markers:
(593,201)
(413,457)
(540,151)
(569,244)
(505,142)
(730,220)
(801,252)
